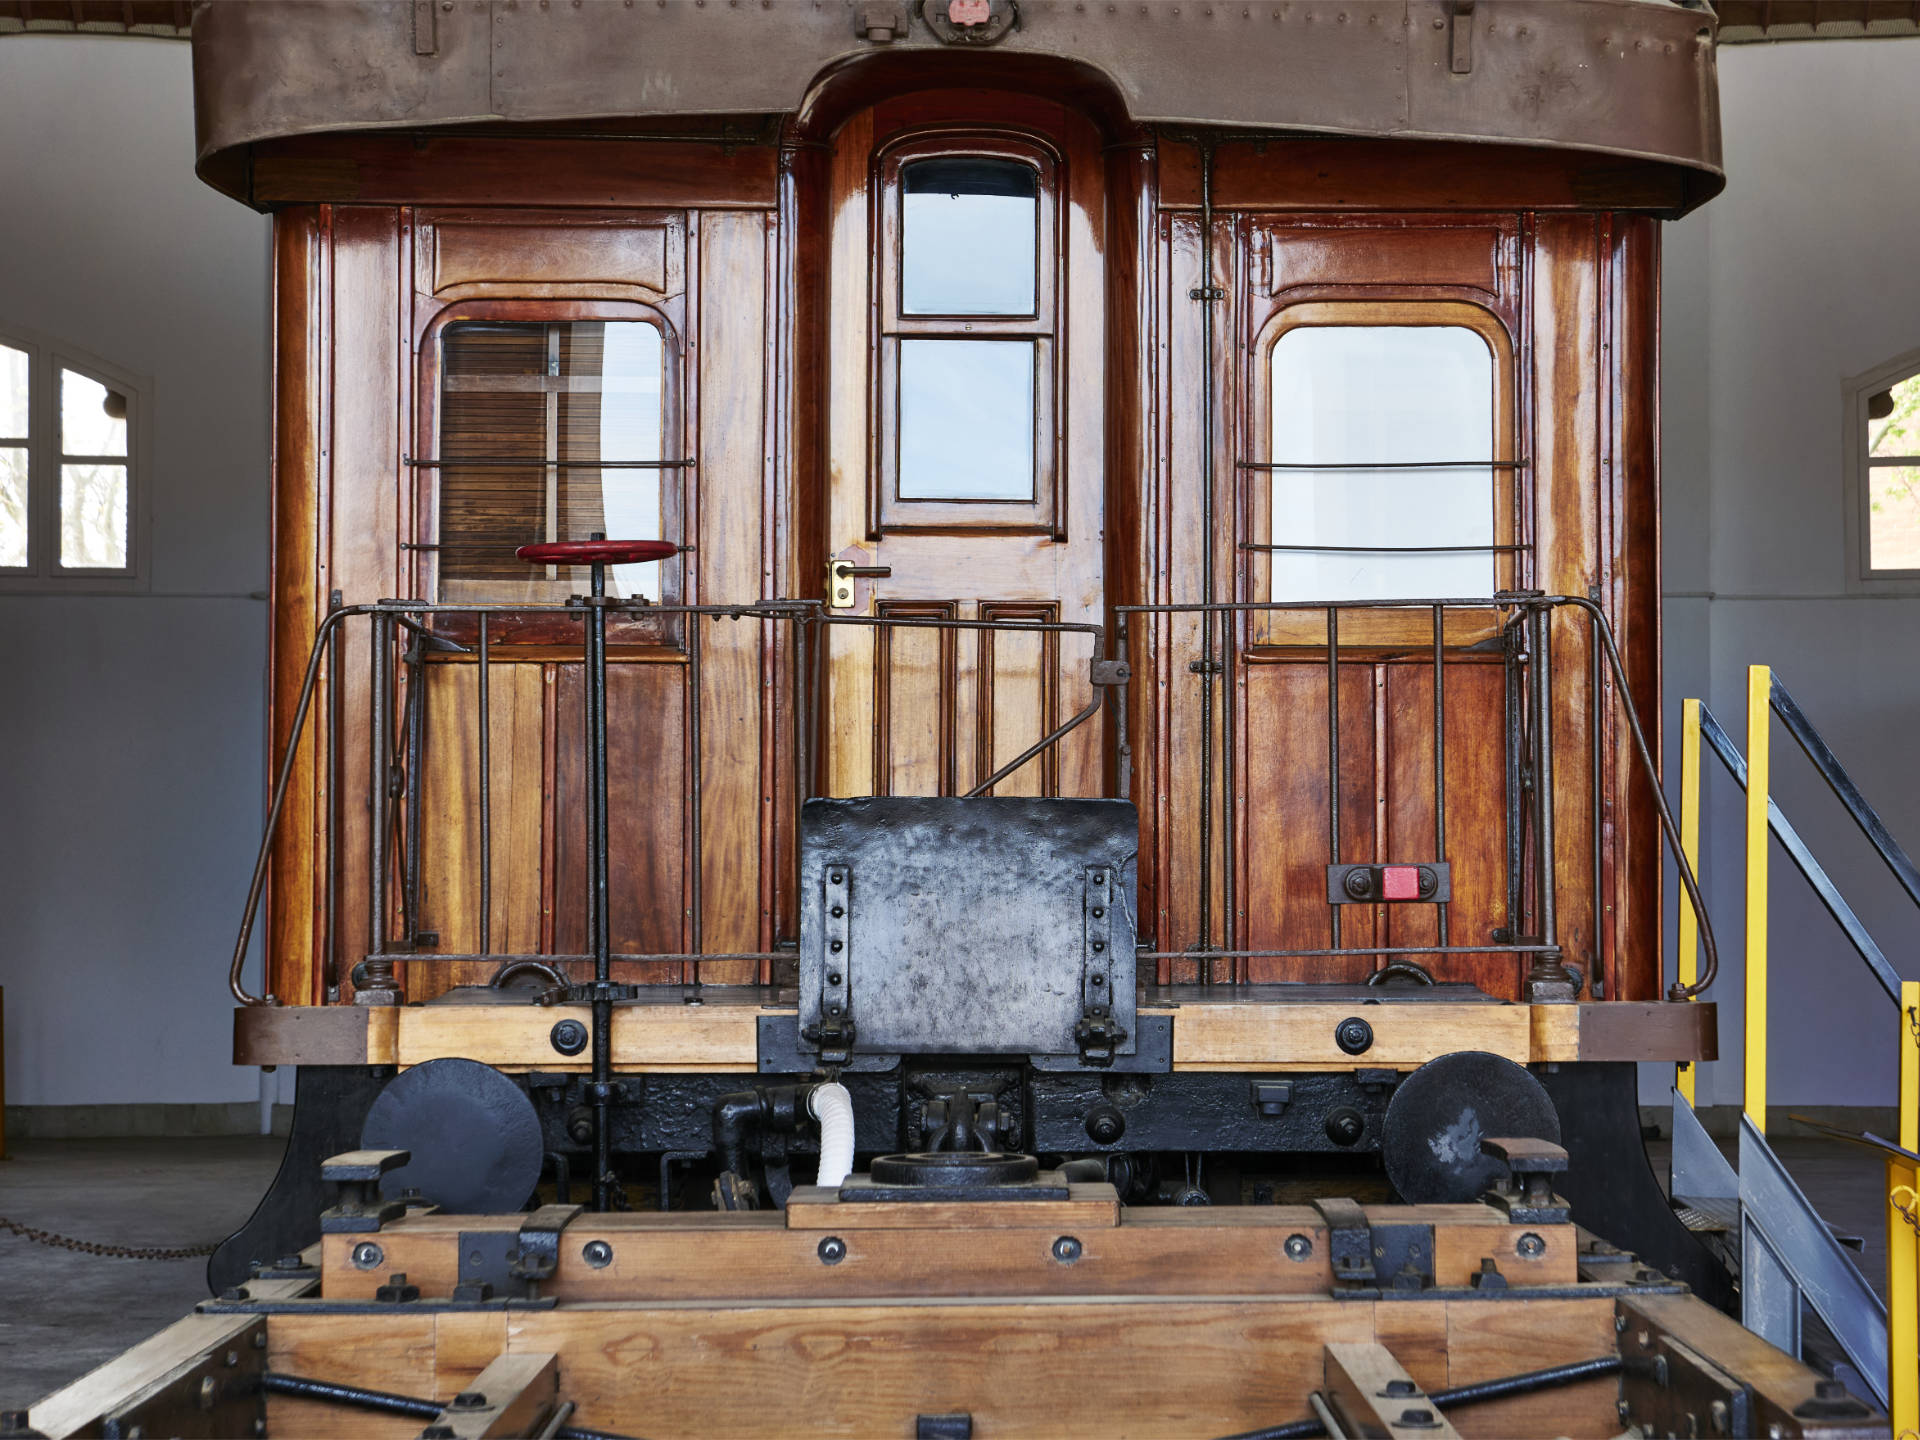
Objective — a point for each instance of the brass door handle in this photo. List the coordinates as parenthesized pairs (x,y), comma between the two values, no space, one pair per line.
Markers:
(840,577)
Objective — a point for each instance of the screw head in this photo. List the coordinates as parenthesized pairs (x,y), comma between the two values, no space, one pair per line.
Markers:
(1530,1246)
(569,1037)
(1353,1035)
(1299,1247)
(1067,1249)
(597,1253)
(832,1250)
(368,1256)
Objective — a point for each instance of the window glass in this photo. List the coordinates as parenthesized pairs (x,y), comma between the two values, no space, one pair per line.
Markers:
(1893,477)
(539,414)
(1357,397)
(969,237)
(93,489)
(13,505)
(93,517)
(966,419)
(13,393)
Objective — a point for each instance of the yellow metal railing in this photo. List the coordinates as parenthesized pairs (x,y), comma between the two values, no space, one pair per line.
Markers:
(1764,823)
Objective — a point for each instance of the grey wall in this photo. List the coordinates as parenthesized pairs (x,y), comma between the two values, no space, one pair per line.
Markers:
(1802,274)
(130,726)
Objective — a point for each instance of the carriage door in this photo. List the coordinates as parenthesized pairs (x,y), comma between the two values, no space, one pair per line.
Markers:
(964,446)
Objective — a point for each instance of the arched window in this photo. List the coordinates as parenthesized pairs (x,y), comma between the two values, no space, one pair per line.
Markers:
(71,430)
(1883,474)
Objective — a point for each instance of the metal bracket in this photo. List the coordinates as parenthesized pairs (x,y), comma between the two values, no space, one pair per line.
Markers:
(1152,1053)
(497,1264)
(1460,37)
(778,1051)
(834,1034)
(1349,1239)
(1109,672)
(1098,1034)
(1397,1257)
(359,1208)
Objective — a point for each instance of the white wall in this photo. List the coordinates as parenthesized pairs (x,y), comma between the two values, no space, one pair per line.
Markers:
(1806,271)
(130,726)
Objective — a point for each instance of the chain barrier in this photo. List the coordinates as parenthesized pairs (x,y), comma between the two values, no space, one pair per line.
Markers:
(112,1252)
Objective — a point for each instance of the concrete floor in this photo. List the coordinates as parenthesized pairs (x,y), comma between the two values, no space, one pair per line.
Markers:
(63,1313)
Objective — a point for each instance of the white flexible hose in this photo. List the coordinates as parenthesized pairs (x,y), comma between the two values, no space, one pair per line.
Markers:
(832,1106)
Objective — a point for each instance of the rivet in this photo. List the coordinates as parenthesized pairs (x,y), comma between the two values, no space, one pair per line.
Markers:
(832,1250)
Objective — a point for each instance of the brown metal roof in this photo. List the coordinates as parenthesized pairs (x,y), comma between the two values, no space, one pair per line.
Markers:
(1623,77)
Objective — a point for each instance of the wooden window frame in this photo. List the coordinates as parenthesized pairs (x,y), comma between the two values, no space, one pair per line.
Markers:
(1045,512)
(1862,577)
(43,573)
(1281,629)
(523,629)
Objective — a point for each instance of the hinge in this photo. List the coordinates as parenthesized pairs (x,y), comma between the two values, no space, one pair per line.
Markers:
(1207,292)
(834,1032)
(426,26)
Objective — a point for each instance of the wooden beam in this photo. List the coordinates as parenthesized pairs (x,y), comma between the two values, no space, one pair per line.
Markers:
(514,1396)
(1374,1396)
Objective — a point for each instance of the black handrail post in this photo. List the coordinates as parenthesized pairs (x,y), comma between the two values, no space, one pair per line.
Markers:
(697,859)
(599,930)
(330,964)
(1440,754)
(1548,980)
(375,984)
(415,657)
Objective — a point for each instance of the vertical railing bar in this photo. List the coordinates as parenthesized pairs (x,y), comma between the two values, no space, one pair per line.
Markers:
(330,973)
(1440,753)
(698,859)
(416,723)
(1123,745)
(1543,773)
(1759,838)
(1333,754)
(1687,962)
(1230,770)
(1513,740)
(486,792)
(1596,750)
(379,973)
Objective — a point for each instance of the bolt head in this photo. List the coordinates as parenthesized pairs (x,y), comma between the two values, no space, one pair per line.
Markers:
(832,1250)
(1299,1247)
(597,1253)
(1530,1246)
(1067,1249)
(367,1256)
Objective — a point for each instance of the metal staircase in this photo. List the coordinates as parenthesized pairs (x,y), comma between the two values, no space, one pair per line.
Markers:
(1786,1256)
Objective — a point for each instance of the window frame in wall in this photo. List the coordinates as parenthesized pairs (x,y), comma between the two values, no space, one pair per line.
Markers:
(1283,628)
(676,481)
(895,327)
(1856,393)
(47,359)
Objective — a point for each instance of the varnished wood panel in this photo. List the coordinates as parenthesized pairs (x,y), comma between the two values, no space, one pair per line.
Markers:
(915,685)
(610,255)
(1397,256)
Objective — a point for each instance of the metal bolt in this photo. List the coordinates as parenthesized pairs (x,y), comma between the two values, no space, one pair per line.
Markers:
(368,1256)
(1299,1247)
(1395,1389)
(1346,1125)
(233,1358)
(569,1037)
(1622,1409)
(1353,1035)
(1619,1324)
(833,977)
(835,877)
(1530,1246)
(1358,884)
(1721,1417)
(1067,1249)
(838,911)
(832,1250)
(1105,1124)
(209,1392)
(470,1400)
(597,1253)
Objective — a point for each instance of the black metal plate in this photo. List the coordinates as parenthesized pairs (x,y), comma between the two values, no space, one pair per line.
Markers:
(967,921)
(1441,1112)
(474,1135)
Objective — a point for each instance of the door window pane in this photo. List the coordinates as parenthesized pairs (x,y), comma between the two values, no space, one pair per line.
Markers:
(13,505)
(969,237)
(966,420)
(93,517)
(1358,396)
(13,393)
(536,410)
(93,419)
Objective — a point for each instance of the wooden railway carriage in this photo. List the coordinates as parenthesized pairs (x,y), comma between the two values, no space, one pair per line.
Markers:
(1151,661)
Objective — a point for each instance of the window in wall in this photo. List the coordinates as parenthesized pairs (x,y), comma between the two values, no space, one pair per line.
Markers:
(1383,440)
(549,431)
(968,324)
(68,472)
(1892,478)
